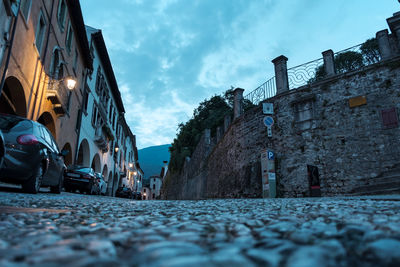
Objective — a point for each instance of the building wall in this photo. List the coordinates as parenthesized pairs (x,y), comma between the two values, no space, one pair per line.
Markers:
(31,69)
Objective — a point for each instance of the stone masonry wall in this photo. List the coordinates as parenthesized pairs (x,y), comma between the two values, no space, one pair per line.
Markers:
(314,125)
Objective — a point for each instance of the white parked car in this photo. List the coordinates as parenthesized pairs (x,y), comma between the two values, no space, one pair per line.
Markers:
(102,183)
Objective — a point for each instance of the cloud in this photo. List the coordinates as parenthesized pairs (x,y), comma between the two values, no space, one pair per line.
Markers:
(155,125)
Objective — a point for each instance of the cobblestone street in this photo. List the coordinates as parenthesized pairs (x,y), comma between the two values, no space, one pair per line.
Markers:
(81,230)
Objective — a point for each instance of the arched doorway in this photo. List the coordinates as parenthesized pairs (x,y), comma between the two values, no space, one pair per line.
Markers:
(96,165)
(105,172)
(68,157)
(115,183)
(12,99)
(83,154)
(109,183)
(47,120)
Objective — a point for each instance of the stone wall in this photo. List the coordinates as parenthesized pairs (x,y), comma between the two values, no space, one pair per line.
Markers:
(335,124)
(314,125)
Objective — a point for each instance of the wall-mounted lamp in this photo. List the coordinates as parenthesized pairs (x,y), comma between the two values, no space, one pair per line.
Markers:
(70,82)
(131,165)
(116,149)
(135,173)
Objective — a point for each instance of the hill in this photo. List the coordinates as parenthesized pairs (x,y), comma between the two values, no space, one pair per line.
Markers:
(151,159)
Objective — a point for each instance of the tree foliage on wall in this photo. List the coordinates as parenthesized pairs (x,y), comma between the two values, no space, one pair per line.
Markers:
(208,115)
(352,60)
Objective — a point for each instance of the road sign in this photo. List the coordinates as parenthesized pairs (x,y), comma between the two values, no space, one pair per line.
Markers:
(268,108)
(269,131)
(270,155)
(268,121)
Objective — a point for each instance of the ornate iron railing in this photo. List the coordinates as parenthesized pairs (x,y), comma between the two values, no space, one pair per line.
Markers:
(303,74)
(264,91)
(349,59)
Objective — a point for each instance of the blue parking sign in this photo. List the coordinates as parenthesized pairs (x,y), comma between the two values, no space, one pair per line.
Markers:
(270,155)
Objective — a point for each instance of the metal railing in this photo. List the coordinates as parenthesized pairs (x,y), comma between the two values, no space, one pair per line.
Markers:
(349,59)
(356,57)
(303,74)
(264,91)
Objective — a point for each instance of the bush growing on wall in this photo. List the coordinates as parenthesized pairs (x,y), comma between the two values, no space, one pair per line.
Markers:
(351,60)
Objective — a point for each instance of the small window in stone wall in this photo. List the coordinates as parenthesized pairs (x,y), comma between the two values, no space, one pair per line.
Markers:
(304,114)
(389,118)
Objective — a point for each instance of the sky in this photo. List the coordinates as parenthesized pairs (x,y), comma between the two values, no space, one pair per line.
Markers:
(169,55)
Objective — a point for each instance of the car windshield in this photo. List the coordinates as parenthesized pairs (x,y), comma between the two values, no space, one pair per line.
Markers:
(9,122)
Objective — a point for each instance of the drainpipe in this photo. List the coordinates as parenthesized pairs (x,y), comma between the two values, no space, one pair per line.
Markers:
(44,57)
(3,77)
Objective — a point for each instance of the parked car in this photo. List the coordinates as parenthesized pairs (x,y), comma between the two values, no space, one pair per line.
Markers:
(2,149)
(81,178)
(124,192)
(102,184)
(138,196)
(31,155)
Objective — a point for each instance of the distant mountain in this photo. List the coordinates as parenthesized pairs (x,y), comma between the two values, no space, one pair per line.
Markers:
(151,159)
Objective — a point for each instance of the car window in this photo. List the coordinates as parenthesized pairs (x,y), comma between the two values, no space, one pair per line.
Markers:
(18,124)
(53,142)
(47,138)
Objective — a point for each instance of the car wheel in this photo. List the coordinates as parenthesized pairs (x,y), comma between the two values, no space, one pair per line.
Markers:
(33,184)
(58,188)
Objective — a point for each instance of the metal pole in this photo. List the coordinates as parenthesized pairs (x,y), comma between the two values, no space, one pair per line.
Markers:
(3,78)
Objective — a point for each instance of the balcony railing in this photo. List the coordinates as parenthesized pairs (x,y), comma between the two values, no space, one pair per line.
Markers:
(264,91)
(58,94)
(349,59)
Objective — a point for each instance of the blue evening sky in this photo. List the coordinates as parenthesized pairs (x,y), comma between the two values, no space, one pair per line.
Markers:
(169,55)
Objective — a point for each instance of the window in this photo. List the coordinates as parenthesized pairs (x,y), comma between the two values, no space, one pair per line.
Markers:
(25,8)
(154,186)
(389,118)
(60,71)
(85,100)
(68,40)
(154,195)
(144,190)
(40,32)
(94,115)
(61,14)
(55,63)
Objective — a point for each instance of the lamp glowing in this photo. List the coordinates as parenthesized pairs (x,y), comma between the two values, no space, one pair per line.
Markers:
(116,149)
(71,82)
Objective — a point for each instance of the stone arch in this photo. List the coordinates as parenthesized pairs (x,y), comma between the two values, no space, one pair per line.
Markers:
(68,157)
(109,183)
(105,172)
(96,164)
(83,154)
(12,99)
(47,120)
(115,183)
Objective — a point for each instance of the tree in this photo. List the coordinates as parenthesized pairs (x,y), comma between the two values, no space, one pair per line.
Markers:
(348,61)
(370,51)
(208,115)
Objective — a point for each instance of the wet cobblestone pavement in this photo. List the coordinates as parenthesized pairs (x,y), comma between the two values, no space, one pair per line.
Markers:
(80,230)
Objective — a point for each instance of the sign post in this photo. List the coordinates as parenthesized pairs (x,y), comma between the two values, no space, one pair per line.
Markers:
(268,121)
(268,173)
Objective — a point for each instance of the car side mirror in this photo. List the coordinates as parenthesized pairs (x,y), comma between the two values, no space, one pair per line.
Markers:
(64,152)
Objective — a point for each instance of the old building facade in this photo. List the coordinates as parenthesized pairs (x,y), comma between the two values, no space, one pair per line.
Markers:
(57,72)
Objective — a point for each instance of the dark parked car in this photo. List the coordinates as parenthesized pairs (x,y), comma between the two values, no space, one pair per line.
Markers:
(81,178)
(31,156)
(124,192)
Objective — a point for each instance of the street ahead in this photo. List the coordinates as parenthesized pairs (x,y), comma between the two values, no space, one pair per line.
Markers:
(80,230)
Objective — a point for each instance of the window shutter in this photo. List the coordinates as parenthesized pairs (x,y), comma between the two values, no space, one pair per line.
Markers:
(389,118)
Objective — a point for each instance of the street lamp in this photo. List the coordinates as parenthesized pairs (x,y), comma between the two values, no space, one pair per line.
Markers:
(70,82)
(116,149)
